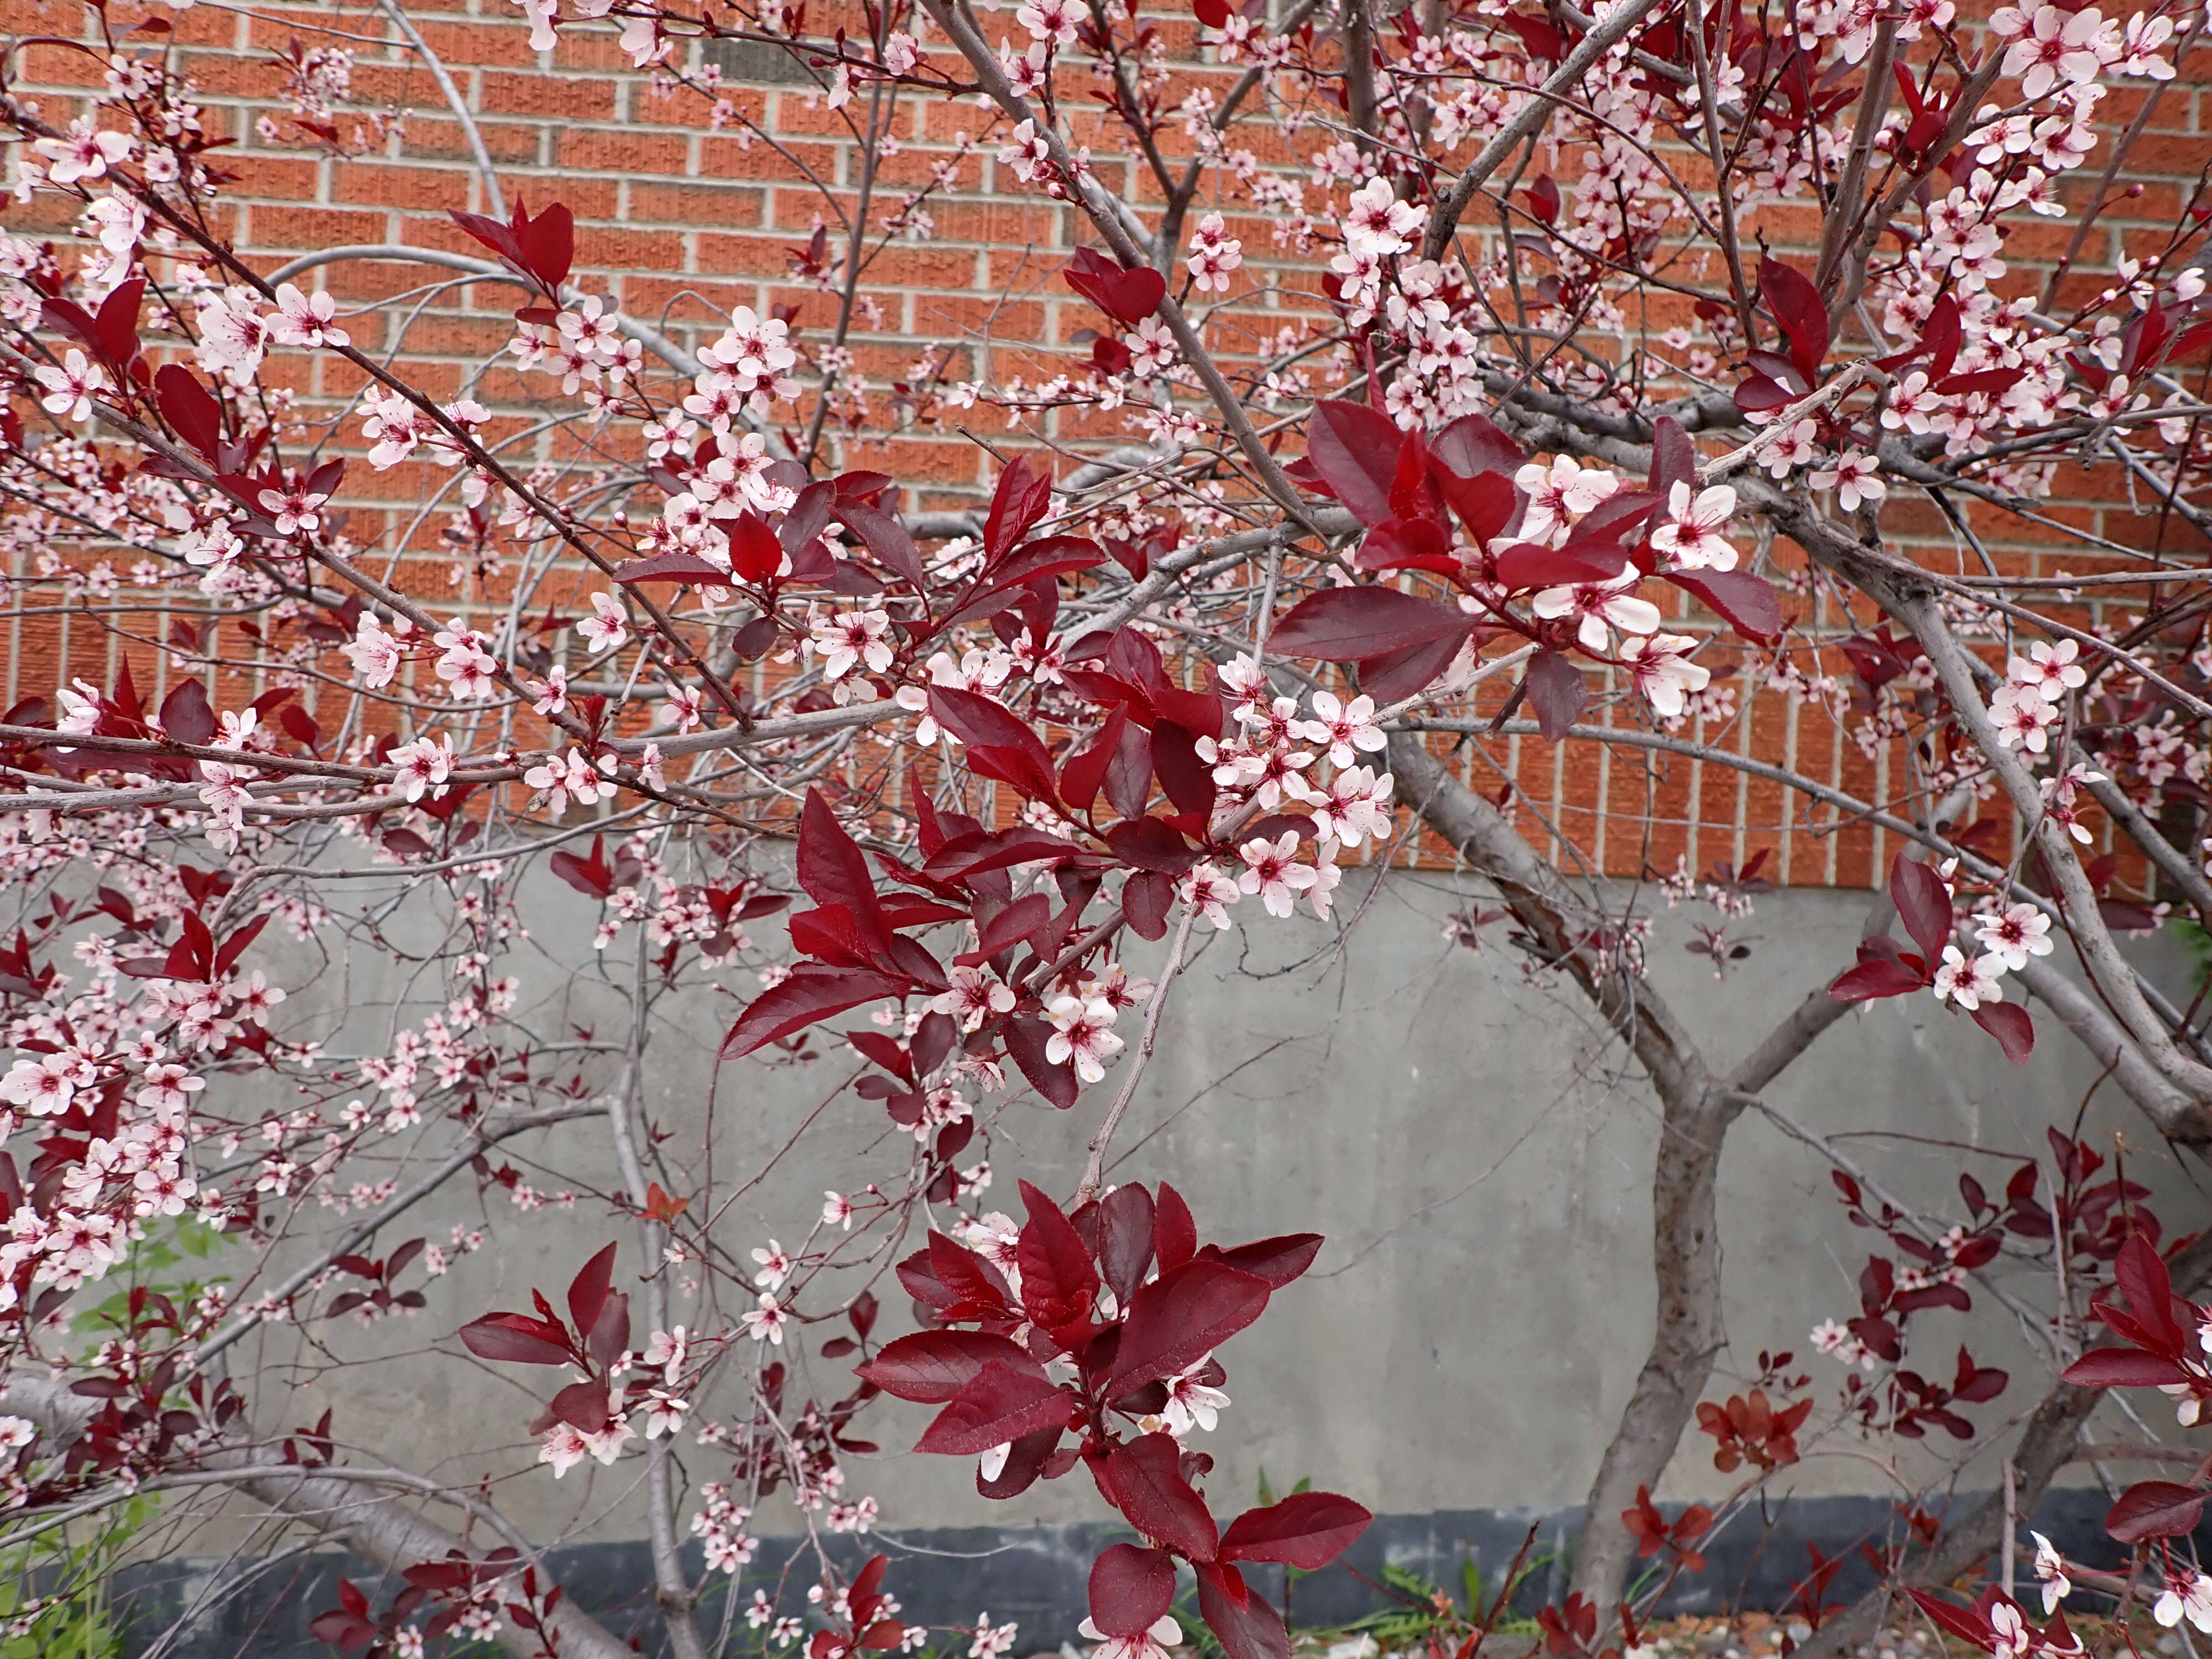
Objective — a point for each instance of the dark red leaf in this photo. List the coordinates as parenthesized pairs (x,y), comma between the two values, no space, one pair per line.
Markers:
(1145,897)
(673,567)
(1556,692)
(1762,394)
(1475,444)
(594,878)
(1058,1281)
(587,1291)
(886,539)
(1923,904)
(979,852)
(1345,624)
(1964,1623)
(2123,1368)
(190,409)
(517,1338)
(1025,1036)
(1128,296)
(341,1630)
(1017,923)
(1021,498)
(999,1404)
(186,714)
(1085,771)
(1186,777)
(1307,1530)
(1673,457)
(2155,1508)
(1175,1235)
(1125,1239)
(1797,306)
(1396,675)
(2008,1023)
(1151,844)
(1531,564)
(1029,768)
(1747,603)
(1941,337)
(234,947)
(1250,1627)
(756,555)
(832,868)
(117,323)
(985,724)
(583,1405)
(973,1288)
(1131,1588)
(932,1367)
(1181,1316)
(1354,448)
(1145,1479)
(2141,1275)
(1277,1261)
(1485,503)
(547,243)
(1878,977)
(1025,1462)
(813,992)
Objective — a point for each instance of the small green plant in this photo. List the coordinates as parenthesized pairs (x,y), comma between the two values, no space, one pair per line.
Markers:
(1425,1617)
(53,1586)
(53,1592)
(2199,942)
(151,1265)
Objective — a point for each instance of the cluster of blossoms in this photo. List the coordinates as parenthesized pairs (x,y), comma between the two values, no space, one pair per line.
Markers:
(720,1527)
(1269,766)
(2009,935)
(1083,1013)
(2033,695)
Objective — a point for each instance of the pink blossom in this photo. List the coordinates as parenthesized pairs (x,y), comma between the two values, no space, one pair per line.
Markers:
(1560,493)
(306,319)
(1214,254)
(70,388)
(84,153)
(1968,983)
(1153,1643)
(1211,893)
(1691,538)
(297,511)
(977,996)
(1346,728)
(1272,871)
(766,1322)
(2013,934)
(1598,607)
(423,766)
(1660,666)
(1082,1032)
(608,626)
(1853,478)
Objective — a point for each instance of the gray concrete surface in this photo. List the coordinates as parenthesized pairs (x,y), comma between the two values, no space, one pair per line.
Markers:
(1472,1147)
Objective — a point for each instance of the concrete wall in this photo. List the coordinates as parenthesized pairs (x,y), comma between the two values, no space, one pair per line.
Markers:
(1469,1141)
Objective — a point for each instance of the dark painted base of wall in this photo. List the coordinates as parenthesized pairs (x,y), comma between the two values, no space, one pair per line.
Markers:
(1037,1574)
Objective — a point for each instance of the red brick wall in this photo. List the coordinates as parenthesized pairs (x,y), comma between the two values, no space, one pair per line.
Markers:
(675,217)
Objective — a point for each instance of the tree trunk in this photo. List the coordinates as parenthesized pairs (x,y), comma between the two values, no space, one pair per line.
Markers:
(1686,1262)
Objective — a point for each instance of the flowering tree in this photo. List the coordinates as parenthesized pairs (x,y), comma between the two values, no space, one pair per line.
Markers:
(1467,451)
